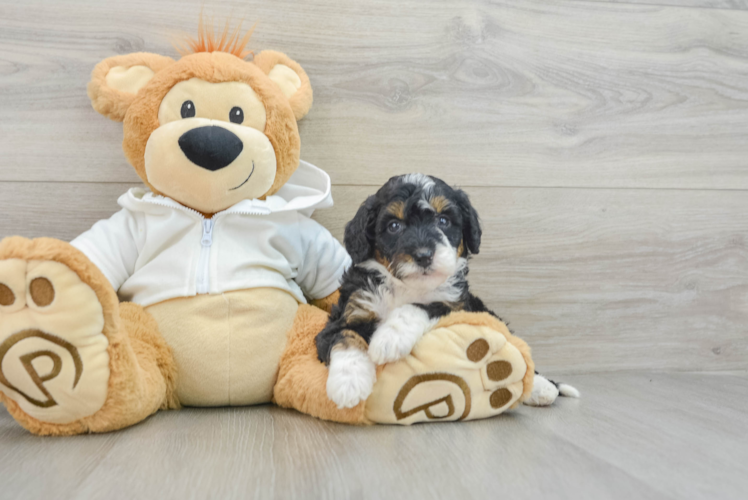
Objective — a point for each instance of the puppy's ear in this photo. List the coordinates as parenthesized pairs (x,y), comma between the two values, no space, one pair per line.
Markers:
(360,231)
(471,230)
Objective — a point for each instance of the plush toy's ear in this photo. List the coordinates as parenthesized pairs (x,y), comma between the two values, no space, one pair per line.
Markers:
(471,230)
(360,231)
(290,77)
(116,80)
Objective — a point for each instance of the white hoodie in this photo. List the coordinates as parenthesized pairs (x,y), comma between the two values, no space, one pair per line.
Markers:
(155,249)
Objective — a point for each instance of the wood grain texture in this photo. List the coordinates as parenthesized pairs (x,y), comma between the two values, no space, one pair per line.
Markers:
(501,93)
(593,279)
(648,436)
(60,210)
(701,4)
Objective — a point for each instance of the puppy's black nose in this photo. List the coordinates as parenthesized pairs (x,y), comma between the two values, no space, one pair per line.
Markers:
(210,147)
(423,257)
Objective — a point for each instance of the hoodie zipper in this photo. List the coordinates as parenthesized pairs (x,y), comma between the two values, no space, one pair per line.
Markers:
(206,241)
(203,267)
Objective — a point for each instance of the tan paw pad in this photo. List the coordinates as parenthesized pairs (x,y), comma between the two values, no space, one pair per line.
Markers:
(503,368)
(12,285)
(7,297)
(42,292)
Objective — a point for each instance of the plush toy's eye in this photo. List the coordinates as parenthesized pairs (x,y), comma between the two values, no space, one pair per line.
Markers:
(394,227)
(188,109)
(443,222)
(236,115)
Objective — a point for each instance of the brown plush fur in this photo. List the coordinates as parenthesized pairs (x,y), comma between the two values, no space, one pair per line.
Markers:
(302,379)
(327,303)
(301,101)
(151,348)
(142,371)
(113,103)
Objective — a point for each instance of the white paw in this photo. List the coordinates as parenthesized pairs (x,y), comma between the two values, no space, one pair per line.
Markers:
(544,393)
(351,377)
(390,344)
(395,338)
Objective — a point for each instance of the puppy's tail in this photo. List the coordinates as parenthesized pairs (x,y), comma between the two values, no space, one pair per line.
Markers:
(565,390)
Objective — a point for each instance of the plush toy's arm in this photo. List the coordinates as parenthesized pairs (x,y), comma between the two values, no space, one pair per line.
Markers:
(327,303)
(324,260)
(112,245)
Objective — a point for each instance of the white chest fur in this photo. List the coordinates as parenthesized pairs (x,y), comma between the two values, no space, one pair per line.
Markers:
(393,293)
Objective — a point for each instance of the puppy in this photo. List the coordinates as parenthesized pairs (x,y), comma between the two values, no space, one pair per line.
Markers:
(410,244)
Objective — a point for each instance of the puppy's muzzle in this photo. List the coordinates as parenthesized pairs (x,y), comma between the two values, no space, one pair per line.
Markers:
(424,257)
(211,147)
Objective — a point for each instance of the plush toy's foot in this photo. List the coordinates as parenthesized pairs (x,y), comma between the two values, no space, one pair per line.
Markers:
(53,355)
(66,364)
(468,367)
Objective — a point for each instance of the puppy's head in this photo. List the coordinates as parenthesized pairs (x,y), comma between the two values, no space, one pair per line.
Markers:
(416,226)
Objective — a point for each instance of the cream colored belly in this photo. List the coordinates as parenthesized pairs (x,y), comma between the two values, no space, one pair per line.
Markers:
(227,346)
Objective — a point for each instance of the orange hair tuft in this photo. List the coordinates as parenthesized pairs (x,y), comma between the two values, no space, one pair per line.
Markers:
(207,41)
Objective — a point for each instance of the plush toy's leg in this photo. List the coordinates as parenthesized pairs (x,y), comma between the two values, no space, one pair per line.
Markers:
(302,379)
(470,366)
(72,359)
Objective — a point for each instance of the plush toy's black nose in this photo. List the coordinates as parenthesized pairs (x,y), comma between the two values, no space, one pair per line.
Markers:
(423,257)
(211,147)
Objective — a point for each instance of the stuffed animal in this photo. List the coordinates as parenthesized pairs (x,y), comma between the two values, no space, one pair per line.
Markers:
(209,287)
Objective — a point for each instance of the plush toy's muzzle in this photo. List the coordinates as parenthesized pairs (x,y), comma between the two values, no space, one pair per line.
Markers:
(210,165)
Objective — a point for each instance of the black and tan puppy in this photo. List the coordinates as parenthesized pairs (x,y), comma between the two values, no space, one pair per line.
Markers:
(410,244)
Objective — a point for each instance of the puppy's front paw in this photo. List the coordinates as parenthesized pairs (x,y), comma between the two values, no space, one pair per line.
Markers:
(351,377)
(390,344)
(396,337)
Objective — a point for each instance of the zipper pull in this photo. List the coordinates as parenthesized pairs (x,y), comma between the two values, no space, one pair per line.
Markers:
(207,239)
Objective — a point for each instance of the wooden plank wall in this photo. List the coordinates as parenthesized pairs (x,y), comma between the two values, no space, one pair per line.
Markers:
(605,145)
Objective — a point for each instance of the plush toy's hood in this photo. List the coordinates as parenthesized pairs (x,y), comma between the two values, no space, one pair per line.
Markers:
(307,190)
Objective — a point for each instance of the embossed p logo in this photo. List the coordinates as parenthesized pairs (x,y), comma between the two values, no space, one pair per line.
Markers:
(451,386)
(28,359)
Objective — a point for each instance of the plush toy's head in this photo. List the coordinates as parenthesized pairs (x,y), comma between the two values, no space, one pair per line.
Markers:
(210,129)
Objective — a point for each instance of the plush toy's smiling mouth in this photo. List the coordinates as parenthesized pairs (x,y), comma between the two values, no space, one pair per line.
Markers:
(245,180)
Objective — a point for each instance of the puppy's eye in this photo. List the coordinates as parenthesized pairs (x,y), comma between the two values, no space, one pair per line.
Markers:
(394,227)
(236,115)
(443,222)
(188,109)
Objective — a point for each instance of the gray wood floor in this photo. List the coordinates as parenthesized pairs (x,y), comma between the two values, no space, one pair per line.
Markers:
(604,144)
(632,436)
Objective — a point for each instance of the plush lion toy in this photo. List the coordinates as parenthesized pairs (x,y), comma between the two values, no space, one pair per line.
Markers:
(213,265)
